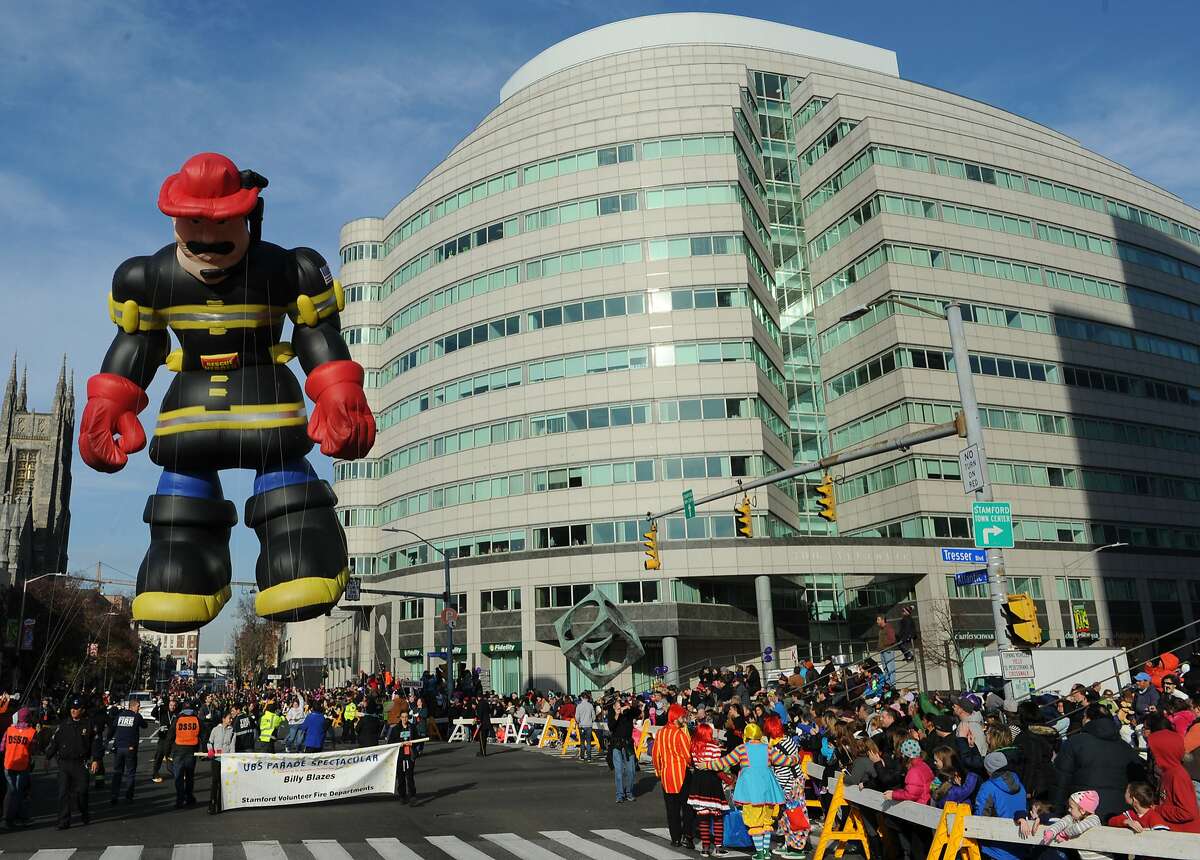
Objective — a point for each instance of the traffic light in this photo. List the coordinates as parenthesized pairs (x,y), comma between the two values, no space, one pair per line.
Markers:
(826,500)
(1023,627)
(745,523)
(652,561)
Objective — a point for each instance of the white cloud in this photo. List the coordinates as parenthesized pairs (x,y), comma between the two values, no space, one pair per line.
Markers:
(1151,130)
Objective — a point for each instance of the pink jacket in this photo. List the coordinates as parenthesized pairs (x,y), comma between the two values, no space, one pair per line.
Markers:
(917,781)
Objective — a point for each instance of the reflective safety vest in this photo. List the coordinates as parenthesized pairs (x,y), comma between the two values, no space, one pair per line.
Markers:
(17,741)
(267,724)
(187,731)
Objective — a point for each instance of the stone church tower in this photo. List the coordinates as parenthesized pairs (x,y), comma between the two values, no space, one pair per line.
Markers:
(35,480)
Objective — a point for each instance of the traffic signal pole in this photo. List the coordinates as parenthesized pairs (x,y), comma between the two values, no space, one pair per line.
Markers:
(900,443)
(997,585)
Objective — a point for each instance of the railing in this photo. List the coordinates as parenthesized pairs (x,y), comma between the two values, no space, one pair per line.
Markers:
(1127,651)
(1113,841)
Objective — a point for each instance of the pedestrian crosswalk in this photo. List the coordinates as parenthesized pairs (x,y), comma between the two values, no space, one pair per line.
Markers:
(579,844)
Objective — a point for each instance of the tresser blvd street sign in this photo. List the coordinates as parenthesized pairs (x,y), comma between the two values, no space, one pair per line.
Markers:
(963,555)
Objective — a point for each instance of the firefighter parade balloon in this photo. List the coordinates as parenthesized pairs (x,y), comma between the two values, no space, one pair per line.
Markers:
(232,404)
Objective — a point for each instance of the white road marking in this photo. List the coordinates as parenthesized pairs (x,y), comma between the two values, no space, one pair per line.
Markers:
(591,850)
(326,849)
(393,849)
(645,846)
(523,848)
(456,848)
(263,850)
(193,851)
(122,852)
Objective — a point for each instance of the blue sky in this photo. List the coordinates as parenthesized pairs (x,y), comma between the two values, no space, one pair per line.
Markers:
(346,106)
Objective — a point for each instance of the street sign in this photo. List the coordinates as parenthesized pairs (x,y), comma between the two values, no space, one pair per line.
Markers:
(971,577)
(971,469)
(1016,665)
(957,555)
(185,673)
(992,522)
(437,655)
(449,616)
(353,588)
(689,505)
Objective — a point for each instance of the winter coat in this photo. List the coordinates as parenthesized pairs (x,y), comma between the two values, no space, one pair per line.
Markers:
(1145,700)
(1002,796)
(1178,805)
(960,793)
(1096,758)
(1036,770)
(917,782)
(1168,665)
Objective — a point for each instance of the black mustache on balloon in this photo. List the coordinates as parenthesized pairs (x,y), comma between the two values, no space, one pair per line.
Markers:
(210,247)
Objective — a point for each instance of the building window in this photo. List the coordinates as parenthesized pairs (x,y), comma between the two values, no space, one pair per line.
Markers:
(458,601)
(1164,590)
(24,472)
(1081,588)
(1032,585)
(502,600)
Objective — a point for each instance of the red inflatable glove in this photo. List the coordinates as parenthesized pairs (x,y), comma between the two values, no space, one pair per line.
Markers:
(341,422)
(112,407)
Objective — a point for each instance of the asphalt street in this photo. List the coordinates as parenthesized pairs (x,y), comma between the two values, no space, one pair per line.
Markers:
(515,796)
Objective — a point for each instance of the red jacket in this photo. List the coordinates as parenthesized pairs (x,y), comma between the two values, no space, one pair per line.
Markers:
(1178,804)
(1168,665)
(671,755)
(917,782)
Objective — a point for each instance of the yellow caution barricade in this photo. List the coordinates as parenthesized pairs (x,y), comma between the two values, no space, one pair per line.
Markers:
(851,829)
(571,738)
(642,745)
(549,736)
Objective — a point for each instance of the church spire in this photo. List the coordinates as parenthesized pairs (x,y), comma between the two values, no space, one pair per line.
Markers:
(60,387)
(23,391)
(10,393)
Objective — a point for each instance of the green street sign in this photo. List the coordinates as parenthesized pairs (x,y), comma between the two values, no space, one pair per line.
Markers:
(992,524)
(689,505)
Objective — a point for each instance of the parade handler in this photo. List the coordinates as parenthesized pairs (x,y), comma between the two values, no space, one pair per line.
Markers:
(233,403)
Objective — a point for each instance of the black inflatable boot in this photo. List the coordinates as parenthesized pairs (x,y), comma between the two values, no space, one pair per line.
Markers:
(302,566)
(184,579)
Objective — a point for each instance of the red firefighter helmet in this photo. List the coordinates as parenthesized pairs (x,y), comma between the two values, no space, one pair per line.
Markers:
(209,185)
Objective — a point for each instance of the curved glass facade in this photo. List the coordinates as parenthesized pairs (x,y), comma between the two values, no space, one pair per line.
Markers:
(629,280)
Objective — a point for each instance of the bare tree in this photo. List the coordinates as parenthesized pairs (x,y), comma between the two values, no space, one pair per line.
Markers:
(255,640)
(939,647)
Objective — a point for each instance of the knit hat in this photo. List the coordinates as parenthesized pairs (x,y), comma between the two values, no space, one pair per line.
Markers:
(1088,801)
(994,762)
(910,749)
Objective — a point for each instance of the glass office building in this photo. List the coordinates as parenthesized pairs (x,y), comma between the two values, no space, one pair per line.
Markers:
(630,279)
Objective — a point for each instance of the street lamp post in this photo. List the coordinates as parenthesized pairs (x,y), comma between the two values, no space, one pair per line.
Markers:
(997,585)
(449,625)
(21,613)
(1067,585)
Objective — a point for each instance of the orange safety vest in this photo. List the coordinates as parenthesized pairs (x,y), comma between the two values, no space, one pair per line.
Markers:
(17,741)
(187,731)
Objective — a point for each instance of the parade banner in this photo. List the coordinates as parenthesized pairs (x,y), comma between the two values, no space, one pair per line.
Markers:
(250,780)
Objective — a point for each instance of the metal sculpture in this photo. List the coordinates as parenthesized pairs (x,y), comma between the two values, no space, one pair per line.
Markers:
(601,648)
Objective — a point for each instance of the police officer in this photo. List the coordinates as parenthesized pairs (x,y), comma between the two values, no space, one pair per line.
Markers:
(77,750)
(268,725)
(125,734)
(185,731)
(243,729)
